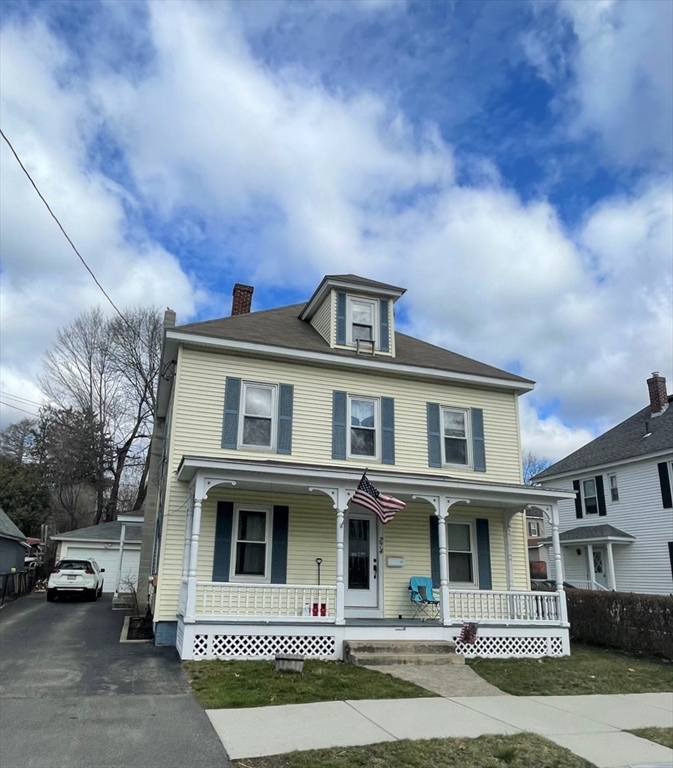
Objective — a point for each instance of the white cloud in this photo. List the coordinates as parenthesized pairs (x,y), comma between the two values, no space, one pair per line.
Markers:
(549,438)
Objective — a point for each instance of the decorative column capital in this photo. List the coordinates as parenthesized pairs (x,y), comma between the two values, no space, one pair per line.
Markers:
(339,495)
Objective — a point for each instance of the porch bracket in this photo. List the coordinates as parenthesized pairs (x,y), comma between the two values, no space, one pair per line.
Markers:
(442,505)
(340,497)
(200,487)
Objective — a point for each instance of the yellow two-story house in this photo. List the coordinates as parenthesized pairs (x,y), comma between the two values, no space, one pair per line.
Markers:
(266,423)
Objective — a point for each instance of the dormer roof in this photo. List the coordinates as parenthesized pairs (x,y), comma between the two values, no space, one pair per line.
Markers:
(353,284)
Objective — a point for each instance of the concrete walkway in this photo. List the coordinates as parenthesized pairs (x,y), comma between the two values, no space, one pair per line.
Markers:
(448,680)
(591,726)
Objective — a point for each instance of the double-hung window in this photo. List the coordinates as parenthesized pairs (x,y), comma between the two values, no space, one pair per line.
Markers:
(461,553)
(250,544)
(361,321)
(533,529)
(363,432)
(614,490)
(455,431)
(590,497)
(258,416)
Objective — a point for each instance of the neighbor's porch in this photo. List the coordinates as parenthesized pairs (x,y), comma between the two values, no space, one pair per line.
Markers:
(361,571)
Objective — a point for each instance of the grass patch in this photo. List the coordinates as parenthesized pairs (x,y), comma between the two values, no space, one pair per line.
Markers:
(233,684)
(524,750)
(663,736)
(587,670)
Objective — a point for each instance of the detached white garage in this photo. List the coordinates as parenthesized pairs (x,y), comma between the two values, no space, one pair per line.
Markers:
(102,543)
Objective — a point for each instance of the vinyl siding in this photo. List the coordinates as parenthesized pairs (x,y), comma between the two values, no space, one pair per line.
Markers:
(322,319)
(200,396)
(644,565)
(312,533)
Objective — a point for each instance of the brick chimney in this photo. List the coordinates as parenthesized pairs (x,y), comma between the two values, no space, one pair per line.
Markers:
(658,395)
(242,301)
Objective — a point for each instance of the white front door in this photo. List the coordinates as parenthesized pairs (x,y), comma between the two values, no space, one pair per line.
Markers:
(361,575)
(600,566)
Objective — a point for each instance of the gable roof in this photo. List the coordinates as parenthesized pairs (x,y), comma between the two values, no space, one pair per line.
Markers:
(104,532)
(281,327)
(596,532)
(625,441)
(365,282)
(8,529)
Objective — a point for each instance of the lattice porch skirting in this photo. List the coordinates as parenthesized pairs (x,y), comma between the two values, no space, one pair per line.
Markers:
(230,641)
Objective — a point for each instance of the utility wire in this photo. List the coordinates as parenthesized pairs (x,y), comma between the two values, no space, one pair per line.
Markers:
(21,399)
(65,234)
(16,407)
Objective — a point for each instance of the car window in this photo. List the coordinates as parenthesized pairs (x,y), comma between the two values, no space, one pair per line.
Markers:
(73,565)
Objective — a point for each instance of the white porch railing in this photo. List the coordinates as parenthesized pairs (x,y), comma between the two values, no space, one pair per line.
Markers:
(266,602)
(592,585)
(182,603)
(524,607)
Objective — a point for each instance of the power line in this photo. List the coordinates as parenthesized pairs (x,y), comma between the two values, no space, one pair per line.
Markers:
(16,407)
(65,234)
(23,399)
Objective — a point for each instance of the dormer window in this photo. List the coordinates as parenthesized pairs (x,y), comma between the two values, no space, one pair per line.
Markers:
(361,321)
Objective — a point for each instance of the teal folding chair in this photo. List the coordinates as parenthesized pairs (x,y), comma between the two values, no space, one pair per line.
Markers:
(423,600)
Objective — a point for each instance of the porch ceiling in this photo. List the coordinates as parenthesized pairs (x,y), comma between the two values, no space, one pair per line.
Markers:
(269,475)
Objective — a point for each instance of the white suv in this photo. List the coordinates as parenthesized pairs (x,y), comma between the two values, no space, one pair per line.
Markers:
(73,575)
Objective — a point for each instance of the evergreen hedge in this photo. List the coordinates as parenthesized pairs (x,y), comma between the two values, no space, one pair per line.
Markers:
(625,620)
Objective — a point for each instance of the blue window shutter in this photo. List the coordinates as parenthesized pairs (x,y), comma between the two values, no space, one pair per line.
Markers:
(339,425)
(434,551)
(285,406)
(578,499)
(478,444)
(279,545)
(232,402)
(600,492)
(434,438)
(341,318)
(384,342)
(483,554)
(665,485)
(222,553)
(387,430)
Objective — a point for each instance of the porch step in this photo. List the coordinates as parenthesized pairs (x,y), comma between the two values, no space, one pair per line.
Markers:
(381,653)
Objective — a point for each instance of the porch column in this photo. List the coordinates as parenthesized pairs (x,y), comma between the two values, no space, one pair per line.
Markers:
(508,550)
(199,496)
(188,539)
(611,567)
(445,608)
(590,563)
(558,563)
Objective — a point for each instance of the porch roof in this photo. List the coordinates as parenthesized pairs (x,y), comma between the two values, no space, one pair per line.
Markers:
(592,534)
(275,475)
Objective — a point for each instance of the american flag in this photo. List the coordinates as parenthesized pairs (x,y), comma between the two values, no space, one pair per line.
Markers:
(369,497)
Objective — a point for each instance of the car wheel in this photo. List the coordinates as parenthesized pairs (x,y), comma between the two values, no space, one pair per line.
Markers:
(51,595)
(100,591)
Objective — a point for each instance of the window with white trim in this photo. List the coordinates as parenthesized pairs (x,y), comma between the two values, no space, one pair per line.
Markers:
(533,529)
(614,490)
(462,554)
(456,448)
(257,426)
(251,544)
(363,427)
(589,497)
(362,316)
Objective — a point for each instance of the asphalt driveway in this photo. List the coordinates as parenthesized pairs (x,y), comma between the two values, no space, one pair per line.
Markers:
(72,696)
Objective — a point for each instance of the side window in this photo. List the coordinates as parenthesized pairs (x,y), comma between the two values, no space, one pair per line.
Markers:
(362,322)
(455,434)
(614,490)
(251,544)
(590,497)
(363,433)
(461,553)
(258,416)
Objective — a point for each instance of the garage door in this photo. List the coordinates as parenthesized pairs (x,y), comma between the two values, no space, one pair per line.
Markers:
(109,559)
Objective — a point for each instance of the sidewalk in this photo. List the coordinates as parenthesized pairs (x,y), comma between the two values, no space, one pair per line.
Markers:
(590,726)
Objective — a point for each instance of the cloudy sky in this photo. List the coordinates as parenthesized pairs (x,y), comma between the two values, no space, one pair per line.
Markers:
(510,163)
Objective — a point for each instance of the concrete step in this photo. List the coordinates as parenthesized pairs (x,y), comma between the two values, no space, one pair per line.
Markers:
(384,659)
(381,652)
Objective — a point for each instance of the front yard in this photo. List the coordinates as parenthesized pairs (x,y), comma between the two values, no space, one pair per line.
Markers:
(587,670)
(233,684)
(524,750)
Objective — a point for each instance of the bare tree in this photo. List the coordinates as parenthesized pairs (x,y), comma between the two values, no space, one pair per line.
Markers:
(109,368)
(533,465)
(16,439)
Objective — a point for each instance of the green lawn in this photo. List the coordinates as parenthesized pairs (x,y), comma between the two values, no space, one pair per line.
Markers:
(524,750)
(660,735)
(229,684)
(587,670)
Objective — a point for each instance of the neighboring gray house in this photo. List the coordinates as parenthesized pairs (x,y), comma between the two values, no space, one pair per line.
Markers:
(618,533)
(12,548)
(114,546)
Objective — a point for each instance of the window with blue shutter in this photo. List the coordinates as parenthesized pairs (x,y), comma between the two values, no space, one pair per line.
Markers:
(285,407)
(483,553)
(434,436)
(232,402)
(434,551)
(279,545)
(339,410)
(387,430)
(341,319)
(222,551)
(478,444)
(384,325)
